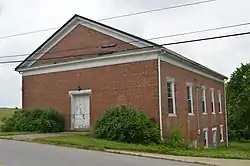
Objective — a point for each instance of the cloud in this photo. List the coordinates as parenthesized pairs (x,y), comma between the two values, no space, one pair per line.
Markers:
(222,55)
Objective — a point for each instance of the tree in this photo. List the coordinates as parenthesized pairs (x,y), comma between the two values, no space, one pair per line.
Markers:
(238,103)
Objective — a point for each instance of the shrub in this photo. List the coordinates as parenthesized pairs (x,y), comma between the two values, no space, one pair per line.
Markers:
(37,120)
(175,140)
(126,124)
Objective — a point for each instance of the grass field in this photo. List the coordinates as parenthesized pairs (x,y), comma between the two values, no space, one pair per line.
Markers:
(237,150)
(6,112)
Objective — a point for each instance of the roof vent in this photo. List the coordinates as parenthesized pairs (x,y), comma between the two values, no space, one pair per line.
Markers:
(108,45)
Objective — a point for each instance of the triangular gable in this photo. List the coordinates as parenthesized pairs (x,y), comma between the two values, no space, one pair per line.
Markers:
(78,23)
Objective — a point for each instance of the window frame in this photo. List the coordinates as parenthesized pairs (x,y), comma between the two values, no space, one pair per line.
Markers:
(172,82)
(203,96)
(220,101)
(190,86)
(212,100)
(222,133)
(214,129)
(205,130)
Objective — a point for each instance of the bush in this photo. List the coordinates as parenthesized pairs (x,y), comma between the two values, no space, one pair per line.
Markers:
(126,124)
(175,140)
(37,120)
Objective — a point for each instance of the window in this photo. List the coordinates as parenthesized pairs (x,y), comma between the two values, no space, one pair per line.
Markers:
(221,133)
(212,100)
(190,99)
(214,131)
(171,96)
(205,137)
(219,102)
(203,95)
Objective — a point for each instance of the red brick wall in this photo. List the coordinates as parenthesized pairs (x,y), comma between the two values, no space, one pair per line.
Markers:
(81,41)
(189,123)
(134,84)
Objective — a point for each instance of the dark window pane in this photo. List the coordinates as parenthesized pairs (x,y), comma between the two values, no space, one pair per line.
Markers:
(188,95)
(204,137)
(169,89)
(170,94)
(203,107)
(212,107)
(169,85)
(170,106)
(189,106)
(203,94)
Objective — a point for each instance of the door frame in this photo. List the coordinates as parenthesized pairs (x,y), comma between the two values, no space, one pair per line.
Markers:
(72,94)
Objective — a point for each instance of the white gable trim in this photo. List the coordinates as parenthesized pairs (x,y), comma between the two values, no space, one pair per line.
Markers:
(112,59)
(191,68)
(92,25)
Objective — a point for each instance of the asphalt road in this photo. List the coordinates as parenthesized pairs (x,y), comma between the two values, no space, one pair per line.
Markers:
(15,153)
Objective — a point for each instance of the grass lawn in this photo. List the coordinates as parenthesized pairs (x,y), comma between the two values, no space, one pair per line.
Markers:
(237,150)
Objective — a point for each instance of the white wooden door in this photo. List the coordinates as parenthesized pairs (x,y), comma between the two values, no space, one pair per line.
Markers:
(81,112)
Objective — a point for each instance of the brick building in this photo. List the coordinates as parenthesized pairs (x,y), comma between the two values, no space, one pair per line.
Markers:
(86,67)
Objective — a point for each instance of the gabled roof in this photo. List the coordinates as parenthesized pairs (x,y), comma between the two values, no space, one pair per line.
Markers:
(139,42)
(83,19)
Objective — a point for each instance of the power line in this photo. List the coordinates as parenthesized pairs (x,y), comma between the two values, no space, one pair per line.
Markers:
(159,9)
(174,43)
(115,17)
(134,41)
(209,38)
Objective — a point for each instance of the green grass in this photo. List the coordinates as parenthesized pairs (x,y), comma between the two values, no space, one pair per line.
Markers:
(14,133)
(237,150)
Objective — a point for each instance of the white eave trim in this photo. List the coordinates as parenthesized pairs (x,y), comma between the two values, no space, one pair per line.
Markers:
(184,64)
(111,59)
(114,59)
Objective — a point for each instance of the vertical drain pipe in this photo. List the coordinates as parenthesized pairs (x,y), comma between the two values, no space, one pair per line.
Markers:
(159,91)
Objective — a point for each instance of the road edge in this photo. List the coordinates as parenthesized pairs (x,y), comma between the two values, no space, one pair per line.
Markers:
(131,153)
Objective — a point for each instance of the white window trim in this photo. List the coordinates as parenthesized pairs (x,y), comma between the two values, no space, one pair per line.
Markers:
(222,133)
(206,129)
(172,81)
(220,101)
(212,100)
(192,98)
(214,129)
(205,100)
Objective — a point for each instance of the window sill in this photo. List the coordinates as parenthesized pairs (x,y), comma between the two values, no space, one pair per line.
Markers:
(221,141)
(220,112)
(213,113)
(172,115)
(190,114)
(204,113)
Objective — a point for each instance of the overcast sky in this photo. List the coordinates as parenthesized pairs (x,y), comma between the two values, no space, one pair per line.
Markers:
(224,55)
